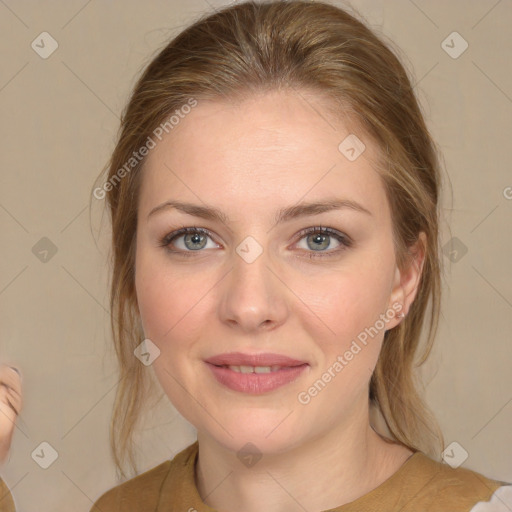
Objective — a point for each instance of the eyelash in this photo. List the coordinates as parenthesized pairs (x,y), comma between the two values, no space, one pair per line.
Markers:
(344,240)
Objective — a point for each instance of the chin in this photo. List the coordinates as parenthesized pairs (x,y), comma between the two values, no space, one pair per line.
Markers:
(266,437)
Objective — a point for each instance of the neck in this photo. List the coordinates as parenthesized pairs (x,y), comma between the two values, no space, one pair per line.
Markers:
(324,472)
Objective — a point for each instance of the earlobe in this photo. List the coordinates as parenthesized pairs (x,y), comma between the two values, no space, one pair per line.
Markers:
(411,276)
(407,280)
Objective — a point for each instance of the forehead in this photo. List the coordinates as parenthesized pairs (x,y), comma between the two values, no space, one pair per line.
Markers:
(269,148)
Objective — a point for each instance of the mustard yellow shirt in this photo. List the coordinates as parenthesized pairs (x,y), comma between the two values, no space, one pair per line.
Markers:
(420,485)
(6,501)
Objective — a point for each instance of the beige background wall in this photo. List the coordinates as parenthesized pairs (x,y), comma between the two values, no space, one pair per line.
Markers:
(58,122)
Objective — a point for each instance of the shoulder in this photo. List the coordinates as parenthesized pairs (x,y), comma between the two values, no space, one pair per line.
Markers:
(6,501)
(143,492)
(500,501)
(441,487)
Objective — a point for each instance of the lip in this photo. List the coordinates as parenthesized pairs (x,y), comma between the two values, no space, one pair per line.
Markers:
(265,359)
(256,383)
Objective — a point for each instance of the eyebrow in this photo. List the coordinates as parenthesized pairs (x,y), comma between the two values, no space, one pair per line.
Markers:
(282,215)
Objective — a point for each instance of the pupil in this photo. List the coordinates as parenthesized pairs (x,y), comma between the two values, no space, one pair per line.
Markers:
(194,239)
(319,240)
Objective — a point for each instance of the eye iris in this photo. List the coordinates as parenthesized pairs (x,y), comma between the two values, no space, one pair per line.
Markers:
(195,238)
(319,239)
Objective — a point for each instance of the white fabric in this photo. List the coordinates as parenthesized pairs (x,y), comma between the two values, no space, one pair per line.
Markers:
(501,501)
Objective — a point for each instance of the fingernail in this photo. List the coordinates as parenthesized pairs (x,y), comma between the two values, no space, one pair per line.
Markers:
(16,370)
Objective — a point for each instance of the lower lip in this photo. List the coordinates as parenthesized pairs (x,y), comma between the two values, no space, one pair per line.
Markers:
(256,383)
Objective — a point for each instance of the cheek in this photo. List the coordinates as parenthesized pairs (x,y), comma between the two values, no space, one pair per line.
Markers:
(169,299)
(348,298)
(345,302)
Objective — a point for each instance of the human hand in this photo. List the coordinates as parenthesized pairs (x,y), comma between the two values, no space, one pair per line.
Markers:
(10,406)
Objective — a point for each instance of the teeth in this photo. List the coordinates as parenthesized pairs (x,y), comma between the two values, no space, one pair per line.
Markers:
(262,369)
(254,369)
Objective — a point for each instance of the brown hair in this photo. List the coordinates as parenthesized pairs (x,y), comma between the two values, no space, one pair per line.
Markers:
(251,47)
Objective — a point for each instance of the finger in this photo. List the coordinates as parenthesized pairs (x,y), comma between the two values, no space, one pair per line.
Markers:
(17,373)
(10,391)
(8,400)
(11,380)
(12,406)
(10,377)
(16,401)
(13,392)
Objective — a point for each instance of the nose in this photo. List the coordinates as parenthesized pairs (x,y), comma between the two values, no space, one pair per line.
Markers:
(252,296)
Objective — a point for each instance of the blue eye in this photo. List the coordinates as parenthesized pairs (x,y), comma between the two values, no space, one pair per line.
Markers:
(320,238)
(194,239)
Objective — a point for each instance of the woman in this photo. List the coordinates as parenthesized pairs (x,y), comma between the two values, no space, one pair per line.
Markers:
(274,204)
(10,407)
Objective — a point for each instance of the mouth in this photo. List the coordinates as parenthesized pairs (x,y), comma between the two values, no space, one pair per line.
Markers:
(265,362)
(255,378)
(255,369)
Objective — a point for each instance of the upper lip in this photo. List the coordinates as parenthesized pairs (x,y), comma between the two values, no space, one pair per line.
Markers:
(240,359)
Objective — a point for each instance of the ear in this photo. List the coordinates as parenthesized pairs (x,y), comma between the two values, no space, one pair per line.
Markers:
(405,286)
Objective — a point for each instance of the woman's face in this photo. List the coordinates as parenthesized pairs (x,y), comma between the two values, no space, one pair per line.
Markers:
(257,282)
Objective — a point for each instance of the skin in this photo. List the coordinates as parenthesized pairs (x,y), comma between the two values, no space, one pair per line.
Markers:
(10,407)
(250,159)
